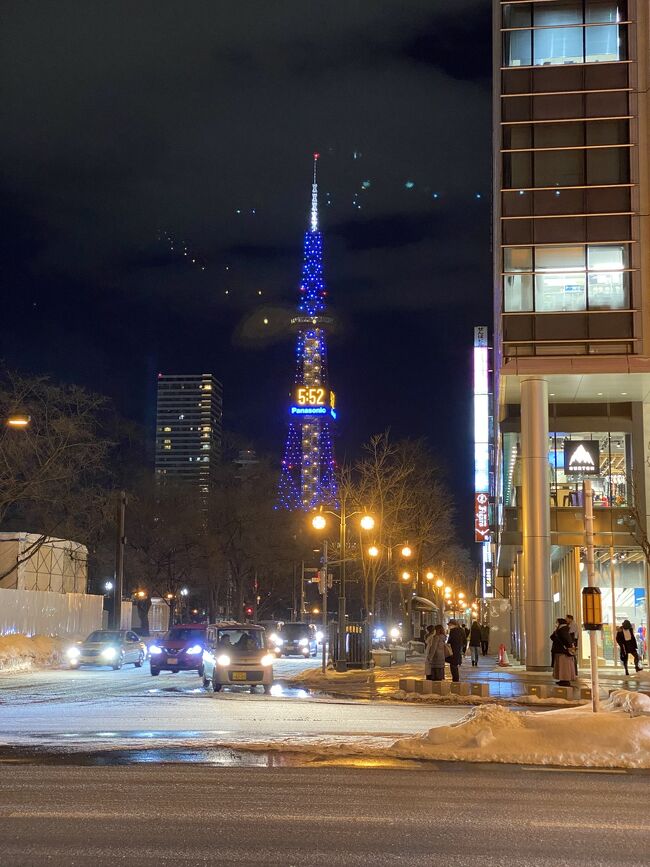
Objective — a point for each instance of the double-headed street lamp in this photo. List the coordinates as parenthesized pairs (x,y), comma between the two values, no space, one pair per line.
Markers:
(319,522)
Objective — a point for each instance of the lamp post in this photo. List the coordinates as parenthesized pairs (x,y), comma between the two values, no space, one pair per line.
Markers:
(319,522)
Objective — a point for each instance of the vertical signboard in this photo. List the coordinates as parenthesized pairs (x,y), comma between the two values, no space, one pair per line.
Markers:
(482,455)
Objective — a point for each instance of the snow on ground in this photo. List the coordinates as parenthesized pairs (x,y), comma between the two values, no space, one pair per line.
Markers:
(22,652)
(618,737)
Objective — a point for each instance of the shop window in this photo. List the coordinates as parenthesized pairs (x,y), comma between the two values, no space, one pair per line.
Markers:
(610,486)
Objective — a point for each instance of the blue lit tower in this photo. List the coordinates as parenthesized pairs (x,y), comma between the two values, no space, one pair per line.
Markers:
(308,478)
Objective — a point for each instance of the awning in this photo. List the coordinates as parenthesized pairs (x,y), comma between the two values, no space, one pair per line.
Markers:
(419,603)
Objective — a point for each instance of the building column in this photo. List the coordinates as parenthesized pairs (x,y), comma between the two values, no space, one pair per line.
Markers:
(536,522)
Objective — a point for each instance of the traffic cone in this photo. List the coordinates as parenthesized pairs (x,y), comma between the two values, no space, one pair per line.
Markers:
(504,662)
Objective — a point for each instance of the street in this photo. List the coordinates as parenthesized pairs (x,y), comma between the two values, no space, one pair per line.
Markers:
(421,815)
(71,709)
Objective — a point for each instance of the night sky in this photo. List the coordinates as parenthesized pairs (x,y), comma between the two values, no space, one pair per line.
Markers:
(133,129)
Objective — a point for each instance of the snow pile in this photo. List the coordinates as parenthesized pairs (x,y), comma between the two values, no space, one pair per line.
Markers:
(22,652)
(618,737)
(314,678)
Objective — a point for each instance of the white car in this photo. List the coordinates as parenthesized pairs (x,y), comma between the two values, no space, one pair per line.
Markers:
(113,647)
(235,655)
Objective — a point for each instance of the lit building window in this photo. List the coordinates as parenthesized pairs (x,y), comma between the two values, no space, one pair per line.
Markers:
(567,32)
(566,278)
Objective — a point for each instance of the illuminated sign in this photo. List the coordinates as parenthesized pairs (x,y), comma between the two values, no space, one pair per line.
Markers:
(581,458)
(313,401)
(488,572)
(481,411)
(481,517)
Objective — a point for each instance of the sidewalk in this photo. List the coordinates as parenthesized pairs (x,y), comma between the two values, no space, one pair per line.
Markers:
(512,681)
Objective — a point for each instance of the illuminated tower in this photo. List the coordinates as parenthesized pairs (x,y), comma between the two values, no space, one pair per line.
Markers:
(308,478)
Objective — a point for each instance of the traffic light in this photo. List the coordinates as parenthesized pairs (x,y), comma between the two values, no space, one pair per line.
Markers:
(248,610)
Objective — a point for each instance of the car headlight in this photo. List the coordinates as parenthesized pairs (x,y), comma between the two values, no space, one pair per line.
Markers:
(224,659)
(278,641)
(154,650)
(73,653)
(273,637)
(196,648)
(109,653)
(394,633)
(267,659)
(303,642)
(319,636)
(379,633)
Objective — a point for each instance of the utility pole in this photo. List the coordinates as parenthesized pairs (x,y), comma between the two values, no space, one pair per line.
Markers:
(341,656)
(302,592)
(120,543)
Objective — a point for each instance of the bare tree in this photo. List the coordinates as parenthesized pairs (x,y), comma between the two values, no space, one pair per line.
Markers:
(53,471)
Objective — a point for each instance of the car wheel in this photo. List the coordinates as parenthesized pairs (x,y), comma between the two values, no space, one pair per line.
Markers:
(206,682)
(216,687)
(119,663)
(314,654)
(253,690)
(155,672)
(139,661)
(267,690)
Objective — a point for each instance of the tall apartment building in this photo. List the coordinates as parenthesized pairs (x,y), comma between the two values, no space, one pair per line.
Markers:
(188,428)
(572,308)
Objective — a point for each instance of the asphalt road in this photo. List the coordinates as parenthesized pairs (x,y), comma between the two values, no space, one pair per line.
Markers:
(493,816)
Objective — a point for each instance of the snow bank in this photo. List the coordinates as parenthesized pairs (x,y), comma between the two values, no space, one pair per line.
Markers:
(315,679)
(618,737)
(22,652)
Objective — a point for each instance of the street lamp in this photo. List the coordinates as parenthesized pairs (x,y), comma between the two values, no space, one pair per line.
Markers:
(373,551)
(406,576)
(439,583)
(319,522)
(429,576)
(108,586)
(18,420)
(406,551)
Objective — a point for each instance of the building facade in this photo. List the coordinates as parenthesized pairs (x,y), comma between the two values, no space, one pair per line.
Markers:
(572,309)
(188,428)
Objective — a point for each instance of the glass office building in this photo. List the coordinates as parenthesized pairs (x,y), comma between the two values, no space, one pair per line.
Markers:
(572,307)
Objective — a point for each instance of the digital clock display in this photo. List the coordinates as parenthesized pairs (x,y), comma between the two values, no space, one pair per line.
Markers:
(313,400)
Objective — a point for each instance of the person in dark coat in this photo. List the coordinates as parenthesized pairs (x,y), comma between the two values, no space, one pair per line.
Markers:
(562,653)
(456,639)
(485,638)
(626,641)
(435,658)
(475,641)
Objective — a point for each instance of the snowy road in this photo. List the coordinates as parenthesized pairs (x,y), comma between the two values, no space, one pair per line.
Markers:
(102,708)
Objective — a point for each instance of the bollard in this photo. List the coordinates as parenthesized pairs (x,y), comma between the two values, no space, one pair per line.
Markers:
(407,684)
(538,689)
(482,689)
(460,688)
(424,687)
(441,687)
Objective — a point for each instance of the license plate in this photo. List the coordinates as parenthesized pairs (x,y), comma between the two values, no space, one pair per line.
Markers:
(171,661)
(238,675)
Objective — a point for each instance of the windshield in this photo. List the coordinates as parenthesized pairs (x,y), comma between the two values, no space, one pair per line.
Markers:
(103,636)
(186,635)
(292,631)
(240,639)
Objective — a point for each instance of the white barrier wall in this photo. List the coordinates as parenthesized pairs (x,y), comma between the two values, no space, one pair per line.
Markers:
(41,612)
(55,564)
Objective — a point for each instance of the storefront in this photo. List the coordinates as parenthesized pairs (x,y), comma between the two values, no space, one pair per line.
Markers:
(621,574)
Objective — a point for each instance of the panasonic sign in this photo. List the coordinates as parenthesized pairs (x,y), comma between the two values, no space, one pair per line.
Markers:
(581,458)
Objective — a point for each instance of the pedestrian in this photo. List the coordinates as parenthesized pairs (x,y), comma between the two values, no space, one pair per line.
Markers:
(435,658)
(573,631)
(626,640)
(562,652)
(456,640)
(485,638)
(475,641)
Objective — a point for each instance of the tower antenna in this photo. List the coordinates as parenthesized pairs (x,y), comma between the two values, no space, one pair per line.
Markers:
(314,198)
